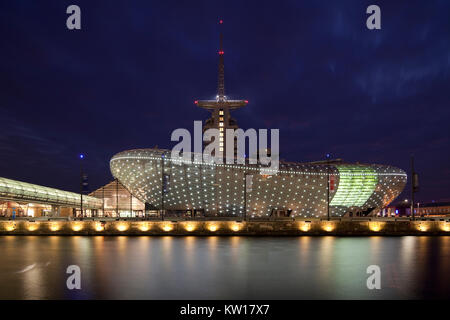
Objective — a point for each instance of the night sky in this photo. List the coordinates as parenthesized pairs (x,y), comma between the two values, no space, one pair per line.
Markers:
(310,68)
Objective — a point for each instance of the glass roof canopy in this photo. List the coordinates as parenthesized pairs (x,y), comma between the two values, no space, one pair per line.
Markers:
(117,197)
(21,191)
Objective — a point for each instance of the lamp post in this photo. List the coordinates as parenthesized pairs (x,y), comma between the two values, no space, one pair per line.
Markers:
(162,186)
(81,184)
(328,186)
(245,195)
(414,186)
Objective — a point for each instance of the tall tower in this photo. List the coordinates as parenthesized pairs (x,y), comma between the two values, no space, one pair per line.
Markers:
(221,106)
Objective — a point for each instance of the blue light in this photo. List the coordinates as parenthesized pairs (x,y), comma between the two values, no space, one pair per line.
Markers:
(328,156)
(396,211)
(81,156)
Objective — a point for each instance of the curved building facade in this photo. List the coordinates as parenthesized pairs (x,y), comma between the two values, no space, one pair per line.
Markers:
(302,189)
(241,190)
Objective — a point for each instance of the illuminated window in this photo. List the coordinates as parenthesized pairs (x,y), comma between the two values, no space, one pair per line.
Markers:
(221,144)
(221,118)
(221,124)
(221,149)
(221,112)
(221,129)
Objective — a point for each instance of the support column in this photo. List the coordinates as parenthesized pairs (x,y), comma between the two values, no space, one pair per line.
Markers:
(131,205)
(56,211)
(117,198)
(103,198)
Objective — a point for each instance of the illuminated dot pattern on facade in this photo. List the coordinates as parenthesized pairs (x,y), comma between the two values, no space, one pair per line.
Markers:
(219,188)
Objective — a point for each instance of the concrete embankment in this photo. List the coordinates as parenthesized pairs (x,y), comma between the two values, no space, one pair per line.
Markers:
(226,228)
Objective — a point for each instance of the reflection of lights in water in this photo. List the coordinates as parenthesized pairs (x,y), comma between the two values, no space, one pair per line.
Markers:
(326,252)
(235,241)
(167,256)
(212,245)
(212,227)
(304,248)
(189,249)
(212,251)
(305,226)
(408,244)
(235,249)
(77,226)
(167,227)
(34,282)
(122,227)
(122,243)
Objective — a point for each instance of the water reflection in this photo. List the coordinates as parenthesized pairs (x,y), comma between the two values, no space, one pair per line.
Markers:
(224,267)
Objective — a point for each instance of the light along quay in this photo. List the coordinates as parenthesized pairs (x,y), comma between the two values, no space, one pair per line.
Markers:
(315,227)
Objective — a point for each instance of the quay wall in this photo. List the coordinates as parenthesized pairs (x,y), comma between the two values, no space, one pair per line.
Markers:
(227,228)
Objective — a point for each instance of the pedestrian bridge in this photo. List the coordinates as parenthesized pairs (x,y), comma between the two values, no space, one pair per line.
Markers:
(18,191)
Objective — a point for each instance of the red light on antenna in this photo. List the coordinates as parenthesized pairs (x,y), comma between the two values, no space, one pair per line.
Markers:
(196,101)
(220,21)
(246,101)
(221,52)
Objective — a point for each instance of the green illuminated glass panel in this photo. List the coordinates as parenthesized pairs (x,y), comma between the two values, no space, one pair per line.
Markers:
(356,185)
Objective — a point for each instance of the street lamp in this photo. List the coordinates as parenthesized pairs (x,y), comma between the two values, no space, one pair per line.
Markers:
(162,186)
(81,183)
(414,185)
(328,185)
(245,193)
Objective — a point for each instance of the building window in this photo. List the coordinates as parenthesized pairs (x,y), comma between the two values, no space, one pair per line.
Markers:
(221,112)
(221,124)
(221,131)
